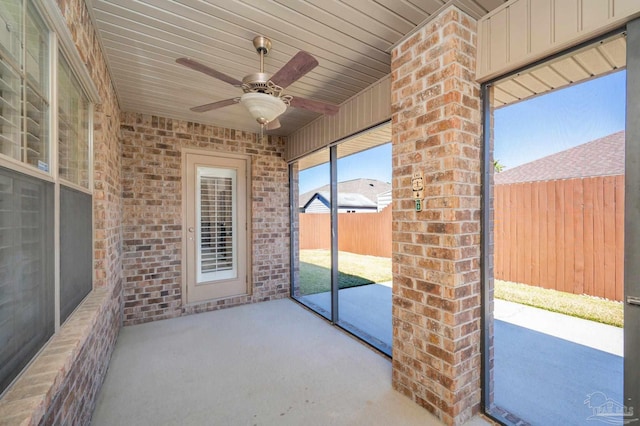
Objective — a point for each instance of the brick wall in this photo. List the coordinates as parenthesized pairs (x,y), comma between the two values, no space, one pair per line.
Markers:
(60,386)
(107,198)
(436,127)
(97,322)
(89,338)
(152,191)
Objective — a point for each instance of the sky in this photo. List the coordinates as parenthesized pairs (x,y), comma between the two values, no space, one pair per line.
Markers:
(523,132)
(374,163)
(550,123)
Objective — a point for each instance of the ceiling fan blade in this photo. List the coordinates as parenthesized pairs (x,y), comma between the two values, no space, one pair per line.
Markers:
(273,124)
(315,106)
(301,63)
(215,105)
(197,66)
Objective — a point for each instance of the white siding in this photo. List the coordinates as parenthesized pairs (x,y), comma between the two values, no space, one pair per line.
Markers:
(370,107)
(384,200)
(317,206)
(524,31)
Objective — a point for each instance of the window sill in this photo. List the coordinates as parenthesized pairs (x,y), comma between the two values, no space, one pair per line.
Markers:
(28,400)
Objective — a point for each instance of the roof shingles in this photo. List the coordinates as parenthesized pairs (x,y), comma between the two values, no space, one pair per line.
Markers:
(600,157)
(369,188)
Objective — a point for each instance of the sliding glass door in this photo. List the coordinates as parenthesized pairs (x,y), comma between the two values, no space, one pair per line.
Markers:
(364,243)
(341,235)
(311,248)
(561,207)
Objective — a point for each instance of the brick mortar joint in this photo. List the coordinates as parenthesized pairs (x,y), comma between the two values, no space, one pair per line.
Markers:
(436,26)
(86,317)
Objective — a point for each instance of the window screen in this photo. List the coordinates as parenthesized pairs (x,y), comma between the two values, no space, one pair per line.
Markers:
(73,127)
(26,270)
(75,249)
(36,146)
(10,125)
(24,86)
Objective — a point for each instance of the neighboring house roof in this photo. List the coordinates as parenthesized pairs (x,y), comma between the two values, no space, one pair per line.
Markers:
(600,157)
(345,200)
(370,188)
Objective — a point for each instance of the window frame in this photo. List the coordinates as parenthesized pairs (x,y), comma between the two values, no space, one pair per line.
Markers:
(60,44)
(88,122)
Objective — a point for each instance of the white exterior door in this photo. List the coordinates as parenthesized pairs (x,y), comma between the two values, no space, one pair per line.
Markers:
(216,227)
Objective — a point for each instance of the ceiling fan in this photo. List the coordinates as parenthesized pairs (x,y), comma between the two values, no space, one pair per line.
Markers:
(263,96)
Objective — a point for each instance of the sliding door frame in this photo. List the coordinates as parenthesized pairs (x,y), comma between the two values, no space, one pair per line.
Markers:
(632,218)
(333,317)
(631,228)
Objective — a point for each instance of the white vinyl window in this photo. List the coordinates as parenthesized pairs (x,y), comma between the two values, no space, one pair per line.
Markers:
(216,219)
(26,273)
(45,206)
(24,86)
(73,127)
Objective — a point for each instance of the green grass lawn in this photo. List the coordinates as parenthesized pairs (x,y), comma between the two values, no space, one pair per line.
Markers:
(577,305)
(357,269)
(354,270)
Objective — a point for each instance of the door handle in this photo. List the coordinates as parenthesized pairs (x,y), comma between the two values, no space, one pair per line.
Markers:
(191,229)
(633,300)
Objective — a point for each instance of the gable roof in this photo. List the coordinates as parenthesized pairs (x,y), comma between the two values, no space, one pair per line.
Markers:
(345,200)
(600,157)
(369,188)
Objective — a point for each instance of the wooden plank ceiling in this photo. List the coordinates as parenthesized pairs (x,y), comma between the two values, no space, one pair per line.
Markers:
(350,39)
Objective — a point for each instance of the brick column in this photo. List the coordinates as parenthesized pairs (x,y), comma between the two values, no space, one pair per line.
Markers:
(436,129)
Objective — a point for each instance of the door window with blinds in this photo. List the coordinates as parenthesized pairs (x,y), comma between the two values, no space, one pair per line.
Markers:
(216,224)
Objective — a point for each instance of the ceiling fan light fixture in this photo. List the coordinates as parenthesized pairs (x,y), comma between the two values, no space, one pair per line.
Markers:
(264,108)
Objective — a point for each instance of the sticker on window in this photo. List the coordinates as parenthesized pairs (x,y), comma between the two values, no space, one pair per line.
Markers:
(43,166)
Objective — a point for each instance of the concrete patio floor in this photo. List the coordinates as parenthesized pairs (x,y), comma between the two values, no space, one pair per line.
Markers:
(270,363)
(276,363)
(365,308)
(546,364)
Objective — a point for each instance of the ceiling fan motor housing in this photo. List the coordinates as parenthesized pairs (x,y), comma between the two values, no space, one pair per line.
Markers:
(262,44)
(255,82)
(259,83)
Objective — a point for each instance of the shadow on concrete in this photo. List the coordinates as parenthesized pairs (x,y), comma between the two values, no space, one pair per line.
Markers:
(364,311)
(546,380)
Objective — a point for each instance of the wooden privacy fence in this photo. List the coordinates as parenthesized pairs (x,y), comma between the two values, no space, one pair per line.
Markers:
(360,233)
(566,235)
